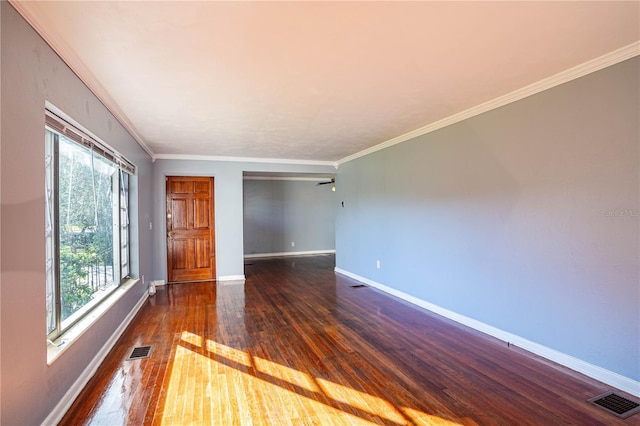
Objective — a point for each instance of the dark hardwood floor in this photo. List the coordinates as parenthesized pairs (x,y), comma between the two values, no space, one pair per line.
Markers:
(297,345)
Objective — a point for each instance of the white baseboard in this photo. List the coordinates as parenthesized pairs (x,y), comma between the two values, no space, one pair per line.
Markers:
(606,376)
(63,405)
(289,253)
(230,278)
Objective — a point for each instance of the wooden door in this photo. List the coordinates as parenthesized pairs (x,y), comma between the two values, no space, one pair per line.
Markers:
(190,229)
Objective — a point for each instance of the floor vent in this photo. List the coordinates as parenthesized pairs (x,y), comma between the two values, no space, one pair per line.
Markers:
(357,285)
(616,404)
(140,352)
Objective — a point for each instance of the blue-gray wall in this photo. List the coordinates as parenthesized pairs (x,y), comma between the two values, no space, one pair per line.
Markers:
(278,212)
(31,74)
(524,218)
(228,183)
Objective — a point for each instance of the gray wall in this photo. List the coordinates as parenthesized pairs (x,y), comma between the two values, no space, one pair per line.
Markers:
(31,73)
(524,218)
(277,212)
(228,178)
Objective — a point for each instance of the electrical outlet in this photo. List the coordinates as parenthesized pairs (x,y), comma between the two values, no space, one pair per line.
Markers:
(378,264)
(150,226)
(142,280)
(293,244)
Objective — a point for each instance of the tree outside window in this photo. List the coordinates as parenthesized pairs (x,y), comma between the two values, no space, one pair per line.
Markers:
(87,230)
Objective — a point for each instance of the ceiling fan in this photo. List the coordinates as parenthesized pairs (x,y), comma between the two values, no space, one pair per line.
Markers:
(331,182)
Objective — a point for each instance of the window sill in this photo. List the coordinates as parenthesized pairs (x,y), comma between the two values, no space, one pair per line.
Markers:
(61,344)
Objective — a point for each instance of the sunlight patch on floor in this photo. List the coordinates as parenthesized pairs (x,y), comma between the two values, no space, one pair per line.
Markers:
(286,374)
(191,338)
(211,383)
(420,418)
(228,352)
(361,400)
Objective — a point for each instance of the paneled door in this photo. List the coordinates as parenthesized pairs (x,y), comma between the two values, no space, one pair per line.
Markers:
(190,229)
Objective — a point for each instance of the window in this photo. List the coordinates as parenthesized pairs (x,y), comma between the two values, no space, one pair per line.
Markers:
(87,223)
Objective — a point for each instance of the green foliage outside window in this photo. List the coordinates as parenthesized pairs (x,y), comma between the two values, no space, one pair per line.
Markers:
(73,276)
(86,202)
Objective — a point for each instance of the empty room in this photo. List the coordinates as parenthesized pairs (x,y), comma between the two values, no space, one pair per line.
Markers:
(317,213)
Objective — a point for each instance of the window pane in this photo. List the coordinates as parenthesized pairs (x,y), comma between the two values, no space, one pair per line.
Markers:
(49,234)
(124,224)
(86,221)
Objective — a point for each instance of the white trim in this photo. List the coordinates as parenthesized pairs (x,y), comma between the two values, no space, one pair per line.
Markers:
(86,76)
(588,67)
(78,67)
(76,64)
(223,278)
(243,159)
(606,376)
(74,332)
(63,405)
(229,283)
(288,253)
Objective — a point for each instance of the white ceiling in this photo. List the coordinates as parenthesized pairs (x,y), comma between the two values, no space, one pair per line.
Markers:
(314,80)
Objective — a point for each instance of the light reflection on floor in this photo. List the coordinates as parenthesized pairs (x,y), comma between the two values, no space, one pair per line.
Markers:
(212,383)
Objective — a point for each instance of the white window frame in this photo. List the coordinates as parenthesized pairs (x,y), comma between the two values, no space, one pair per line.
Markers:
(57,127)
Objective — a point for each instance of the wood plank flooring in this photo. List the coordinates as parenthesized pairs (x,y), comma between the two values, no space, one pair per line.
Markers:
(297,345)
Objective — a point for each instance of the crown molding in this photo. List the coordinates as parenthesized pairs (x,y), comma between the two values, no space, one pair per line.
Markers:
(243,159)
(578,71)
(28,10)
